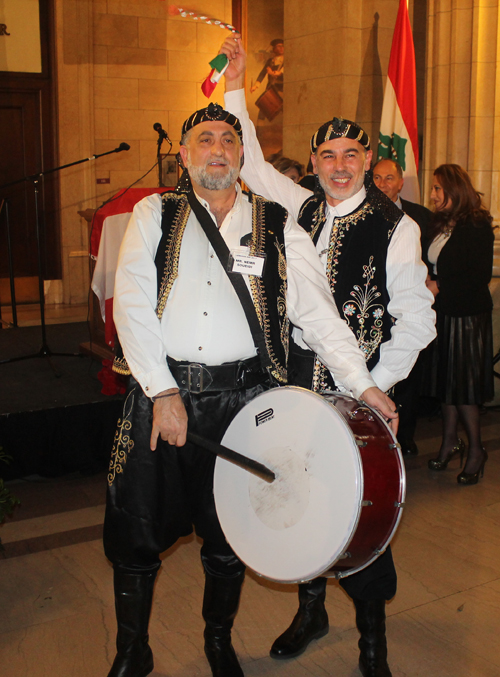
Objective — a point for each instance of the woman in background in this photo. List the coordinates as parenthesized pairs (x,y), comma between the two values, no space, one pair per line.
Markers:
(461,253)
(285,165)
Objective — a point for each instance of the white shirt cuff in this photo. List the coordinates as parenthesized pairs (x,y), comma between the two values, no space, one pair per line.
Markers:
(156,381)
(357,383)
(384,378)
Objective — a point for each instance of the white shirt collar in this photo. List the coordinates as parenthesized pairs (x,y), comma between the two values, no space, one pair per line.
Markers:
(347,206)
(399,204)
(236,206)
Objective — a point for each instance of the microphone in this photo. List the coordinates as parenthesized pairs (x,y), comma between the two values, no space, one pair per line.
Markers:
(122,146)
(163,134)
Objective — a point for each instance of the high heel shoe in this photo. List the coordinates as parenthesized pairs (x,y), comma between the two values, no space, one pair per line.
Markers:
(436,464)
(468,478)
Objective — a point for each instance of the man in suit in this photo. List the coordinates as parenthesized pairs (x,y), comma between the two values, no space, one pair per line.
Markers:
(388,177)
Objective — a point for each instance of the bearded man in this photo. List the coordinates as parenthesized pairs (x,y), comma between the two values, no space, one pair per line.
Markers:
(194,363)
(371,253)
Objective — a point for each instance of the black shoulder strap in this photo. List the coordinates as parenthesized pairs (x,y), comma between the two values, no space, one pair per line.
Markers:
(222,251)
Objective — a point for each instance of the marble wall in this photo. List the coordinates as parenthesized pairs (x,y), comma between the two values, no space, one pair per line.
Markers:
(337,58)
(121,65)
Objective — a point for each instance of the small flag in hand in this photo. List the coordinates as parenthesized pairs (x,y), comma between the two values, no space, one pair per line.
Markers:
(219,65)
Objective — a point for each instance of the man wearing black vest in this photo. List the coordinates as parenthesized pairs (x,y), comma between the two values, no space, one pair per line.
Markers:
(370,251)
(388,177)
(187,342)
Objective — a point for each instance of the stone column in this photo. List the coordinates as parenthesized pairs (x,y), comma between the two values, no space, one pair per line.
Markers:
(462,97)
(74,64)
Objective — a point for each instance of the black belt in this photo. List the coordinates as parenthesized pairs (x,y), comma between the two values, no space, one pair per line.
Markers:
(199,378)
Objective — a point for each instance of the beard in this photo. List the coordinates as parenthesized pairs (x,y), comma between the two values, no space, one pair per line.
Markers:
(330,190)
(214,181)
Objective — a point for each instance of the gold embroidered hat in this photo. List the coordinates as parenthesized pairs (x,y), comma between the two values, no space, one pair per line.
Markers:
(213,112)
(338,128)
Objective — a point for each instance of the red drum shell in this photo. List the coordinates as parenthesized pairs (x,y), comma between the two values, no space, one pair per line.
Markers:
(384,485)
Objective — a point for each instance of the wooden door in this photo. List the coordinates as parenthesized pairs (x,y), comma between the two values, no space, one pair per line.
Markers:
(27,147)
(20,156)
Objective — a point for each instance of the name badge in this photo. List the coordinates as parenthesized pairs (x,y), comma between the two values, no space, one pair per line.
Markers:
(240,261)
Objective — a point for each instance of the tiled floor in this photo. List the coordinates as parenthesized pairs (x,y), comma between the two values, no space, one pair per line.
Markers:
(56,596)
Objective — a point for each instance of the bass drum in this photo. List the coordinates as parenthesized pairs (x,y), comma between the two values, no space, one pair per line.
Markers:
(338,494)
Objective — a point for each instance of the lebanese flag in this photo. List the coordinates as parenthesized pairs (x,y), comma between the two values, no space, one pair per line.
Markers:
(398,139)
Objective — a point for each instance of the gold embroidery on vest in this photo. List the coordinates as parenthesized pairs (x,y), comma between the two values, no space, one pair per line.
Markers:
(258,293)
(173,252)
(318,218)
(363,305)
(281,301)
(340,226)
(120,366)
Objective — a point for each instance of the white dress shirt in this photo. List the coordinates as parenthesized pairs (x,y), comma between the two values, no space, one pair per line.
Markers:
(203,320)
(435,249)
(410,300)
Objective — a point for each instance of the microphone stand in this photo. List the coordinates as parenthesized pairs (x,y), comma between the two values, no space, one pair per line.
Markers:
(161,136)
(5,204)
(45,351)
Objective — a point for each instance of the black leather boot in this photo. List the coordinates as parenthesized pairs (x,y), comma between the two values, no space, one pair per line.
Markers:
(310,622)
(133,599)
(370,619)
(220,604)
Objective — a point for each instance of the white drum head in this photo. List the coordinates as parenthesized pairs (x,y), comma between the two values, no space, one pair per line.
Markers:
(295,528)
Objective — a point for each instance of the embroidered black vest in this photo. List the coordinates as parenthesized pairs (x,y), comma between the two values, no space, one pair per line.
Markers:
(268,292)
(356,268)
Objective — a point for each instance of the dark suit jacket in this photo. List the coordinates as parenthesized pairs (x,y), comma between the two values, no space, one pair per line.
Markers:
(418,213)
(464,269)
(423,217)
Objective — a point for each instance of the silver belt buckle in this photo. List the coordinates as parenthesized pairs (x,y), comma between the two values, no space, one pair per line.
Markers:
(195,378)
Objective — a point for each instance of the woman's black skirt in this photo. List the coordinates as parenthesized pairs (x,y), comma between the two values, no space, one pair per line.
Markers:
(460,360)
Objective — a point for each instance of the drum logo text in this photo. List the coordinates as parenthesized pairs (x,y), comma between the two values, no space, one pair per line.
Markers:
(264,416)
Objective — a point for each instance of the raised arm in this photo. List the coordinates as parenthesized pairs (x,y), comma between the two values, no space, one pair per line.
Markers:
(260,176)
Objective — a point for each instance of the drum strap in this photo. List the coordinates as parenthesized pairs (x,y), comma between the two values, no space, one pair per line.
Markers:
(222,251)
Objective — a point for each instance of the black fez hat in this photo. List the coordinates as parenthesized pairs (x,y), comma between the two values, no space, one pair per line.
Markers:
(338,128)
(213,112)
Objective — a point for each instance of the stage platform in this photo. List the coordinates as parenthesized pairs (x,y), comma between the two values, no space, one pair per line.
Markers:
(54,419)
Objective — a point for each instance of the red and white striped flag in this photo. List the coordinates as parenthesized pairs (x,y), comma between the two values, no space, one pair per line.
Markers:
(398,139)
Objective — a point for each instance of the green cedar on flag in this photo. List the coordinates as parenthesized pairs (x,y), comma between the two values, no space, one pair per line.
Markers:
(218,65)
(398,138)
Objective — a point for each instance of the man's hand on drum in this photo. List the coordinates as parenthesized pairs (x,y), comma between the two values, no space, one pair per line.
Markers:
(235,73)
(169,419)
(384,405)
